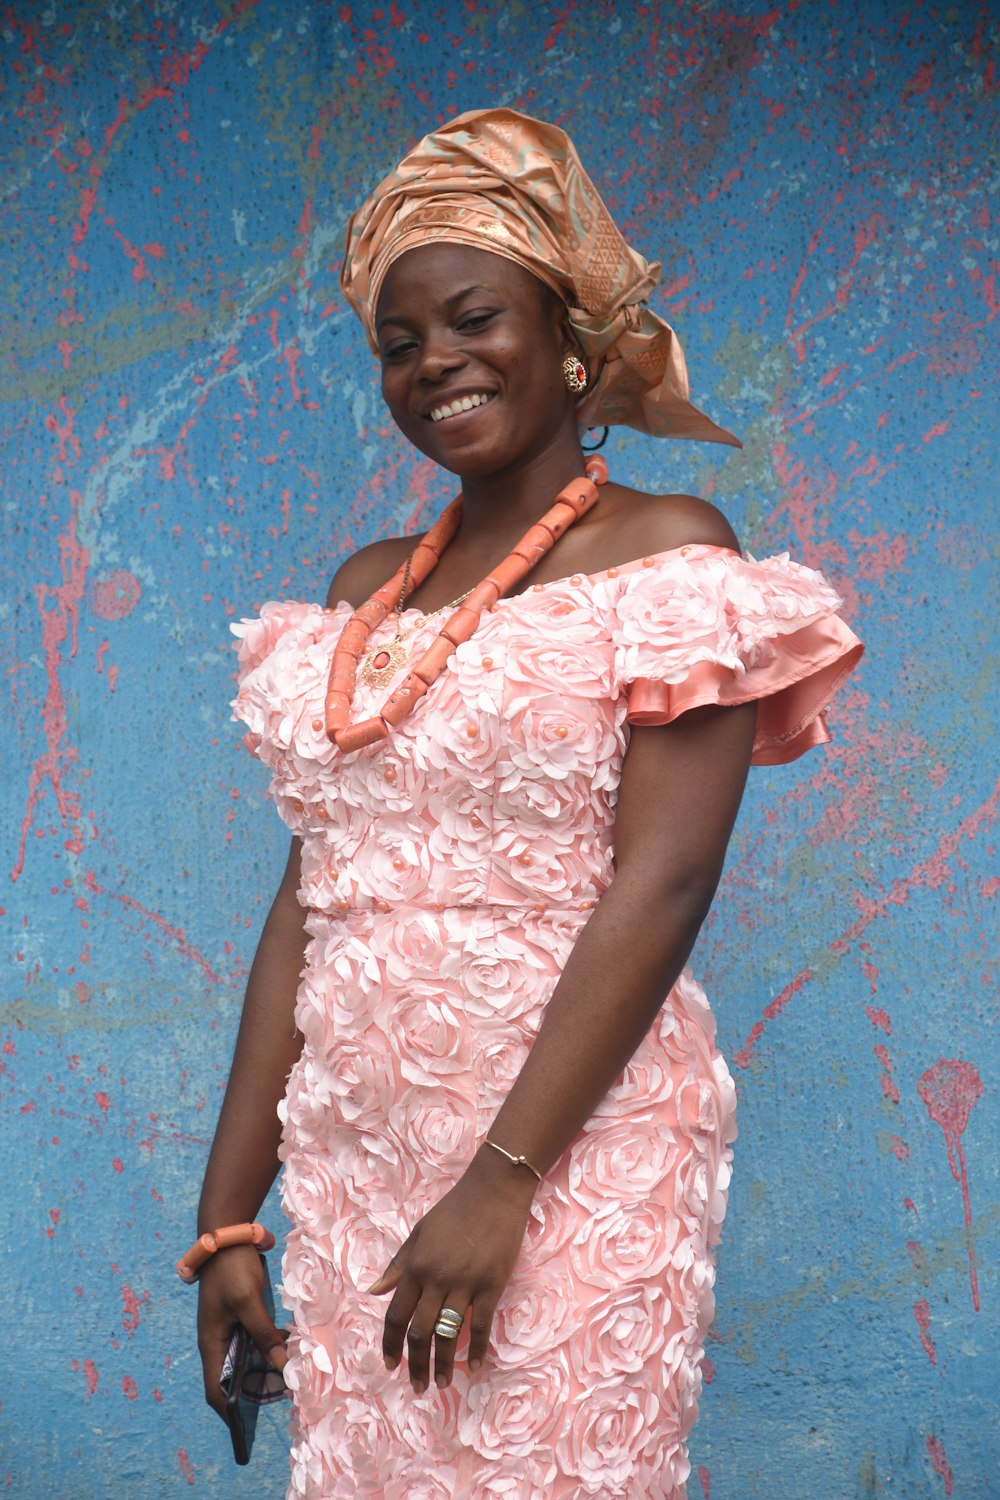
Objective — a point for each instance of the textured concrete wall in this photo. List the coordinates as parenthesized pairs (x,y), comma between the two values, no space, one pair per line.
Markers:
(191,425)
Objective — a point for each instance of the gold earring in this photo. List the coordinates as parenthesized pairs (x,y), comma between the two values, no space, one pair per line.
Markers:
(574,374)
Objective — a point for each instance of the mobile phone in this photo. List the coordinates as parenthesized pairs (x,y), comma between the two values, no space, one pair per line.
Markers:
(249,1382)
(241,1414)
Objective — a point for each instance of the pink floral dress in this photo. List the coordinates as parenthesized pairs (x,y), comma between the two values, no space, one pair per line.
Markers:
(447,874)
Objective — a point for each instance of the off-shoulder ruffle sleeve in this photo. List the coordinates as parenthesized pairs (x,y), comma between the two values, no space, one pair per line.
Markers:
(279,654)
(702,625)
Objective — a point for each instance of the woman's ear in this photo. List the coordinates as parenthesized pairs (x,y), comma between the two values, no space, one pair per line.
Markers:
(571,347)
(570,342)
(566,340)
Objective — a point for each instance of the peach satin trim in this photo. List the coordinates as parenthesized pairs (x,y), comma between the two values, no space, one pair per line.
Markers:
(793,687)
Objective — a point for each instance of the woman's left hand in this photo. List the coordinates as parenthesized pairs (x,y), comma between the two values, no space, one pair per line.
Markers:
(460,1256)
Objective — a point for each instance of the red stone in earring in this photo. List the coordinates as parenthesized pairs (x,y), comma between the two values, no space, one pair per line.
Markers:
(574,374)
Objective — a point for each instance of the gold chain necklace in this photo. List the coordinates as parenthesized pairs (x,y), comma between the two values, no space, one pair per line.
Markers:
(381,664)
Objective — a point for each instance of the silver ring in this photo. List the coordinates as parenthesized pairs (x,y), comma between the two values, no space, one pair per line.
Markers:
(449,1323)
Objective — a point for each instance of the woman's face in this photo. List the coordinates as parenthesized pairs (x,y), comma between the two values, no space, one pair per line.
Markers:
(471,346)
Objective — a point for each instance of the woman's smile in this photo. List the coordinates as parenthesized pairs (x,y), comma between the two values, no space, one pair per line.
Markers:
(457,406)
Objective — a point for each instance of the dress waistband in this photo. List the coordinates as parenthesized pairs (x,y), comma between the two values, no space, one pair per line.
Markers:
(438,908)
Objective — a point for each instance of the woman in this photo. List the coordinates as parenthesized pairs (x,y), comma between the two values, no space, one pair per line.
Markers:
(510,799)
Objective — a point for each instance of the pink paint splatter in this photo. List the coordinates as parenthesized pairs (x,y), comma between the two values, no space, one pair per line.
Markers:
(177,934)
(705,1480)
(949,1089)
(879,556)
(187,1468)
(58,624)
(929,875)
(117,595)
(922,1313)
(918,1256)
(129,1387)
(920,82)
(890,1089)
(90,1375)
(939,1459)
(131,1304)
(776,1006)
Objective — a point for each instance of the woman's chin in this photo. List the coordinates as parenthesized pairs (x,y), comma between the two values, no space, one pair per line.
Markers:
(469,456)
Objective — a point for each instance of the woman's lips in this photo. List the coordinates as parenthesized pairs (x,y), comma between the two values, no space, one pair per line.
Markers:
(460,406)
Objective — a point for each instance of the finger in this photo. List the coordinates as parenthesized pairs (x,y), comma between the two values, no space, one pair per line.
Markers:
(269,1340)
(390,1276)
(419,1336)
(479,1330)
(213,1352)
(445,1344)
(389,1279)
(397,1321)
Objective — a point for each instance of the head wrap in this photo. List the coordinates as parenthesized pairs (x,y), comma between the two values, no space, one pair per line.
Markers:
(500,181)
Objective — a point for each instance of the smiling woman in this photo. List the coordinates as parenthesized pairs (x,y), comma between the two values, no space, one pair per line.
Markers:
(500,1104)
(496,343)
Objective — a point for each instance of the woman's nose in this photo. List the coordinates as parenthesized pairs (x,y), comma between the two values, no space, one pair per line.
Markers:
(438,357)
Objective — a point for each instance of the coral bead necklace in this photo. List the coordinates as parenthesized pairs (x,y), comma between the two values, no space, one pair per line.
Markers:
(571,503)
(382,663)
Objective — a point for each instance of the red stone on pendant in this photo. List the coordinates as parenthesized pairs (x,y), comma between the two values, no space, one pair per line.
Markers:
(381,659)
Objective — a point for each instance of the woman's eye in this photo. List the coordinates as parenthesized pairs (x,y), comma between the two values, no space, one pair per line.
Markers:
(475,320)
(398,351)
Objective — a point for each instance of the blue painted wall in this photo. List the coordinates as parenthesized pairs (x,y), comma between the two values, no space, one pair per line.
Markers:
(191,425)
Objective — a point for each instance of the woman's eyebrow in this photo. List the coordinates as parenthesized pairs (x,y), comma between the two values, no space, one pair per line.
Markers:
(465,291)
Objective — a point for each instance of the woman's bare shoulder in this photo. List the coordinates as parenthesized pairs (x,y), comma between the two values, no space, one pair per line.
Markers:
(638,524)
(629,525)
(367,569)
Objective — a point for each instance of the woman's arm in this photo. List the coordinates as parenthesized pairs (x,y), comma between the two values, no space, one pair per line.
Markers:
(243,1162)
(680,792)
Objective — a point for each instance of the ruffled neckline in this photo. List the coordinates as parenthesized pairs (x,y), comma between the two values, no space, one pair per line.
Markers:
(573,580)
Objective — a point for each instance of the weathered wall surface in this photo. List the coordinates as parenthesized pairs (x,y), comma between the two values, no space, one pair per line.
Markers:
(191,425)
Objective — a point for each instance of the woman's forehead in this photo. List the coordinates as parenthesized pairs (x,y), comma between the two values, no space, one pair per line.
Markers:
(446,268)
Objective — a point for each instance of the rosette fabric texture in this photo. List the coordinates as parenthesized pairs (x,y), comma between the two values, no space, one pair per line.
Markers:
(501,181)
(448,873)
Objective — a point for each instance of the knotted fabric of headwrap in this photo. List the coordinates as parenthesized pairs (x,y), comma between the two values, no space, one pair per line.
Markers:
(500,181)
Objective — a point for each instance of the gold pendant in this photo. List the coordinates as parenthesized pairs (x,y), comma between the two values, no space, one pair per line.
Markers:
(381,666)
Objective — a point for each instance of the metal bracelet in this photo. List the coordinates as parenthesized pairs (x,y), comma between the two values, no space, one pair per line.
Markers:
(518,1161)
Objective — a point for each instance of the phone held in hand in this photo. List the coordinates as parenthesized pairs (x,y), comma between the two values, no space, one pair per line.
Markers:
(249,1382)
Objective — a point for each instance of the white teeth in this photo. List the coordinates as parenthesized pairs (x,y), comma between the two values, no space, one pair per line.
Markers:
(464,403)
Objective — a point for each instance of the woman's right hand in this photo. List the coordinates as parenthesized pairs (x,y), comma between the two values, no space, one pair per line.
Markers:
(230,1291)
